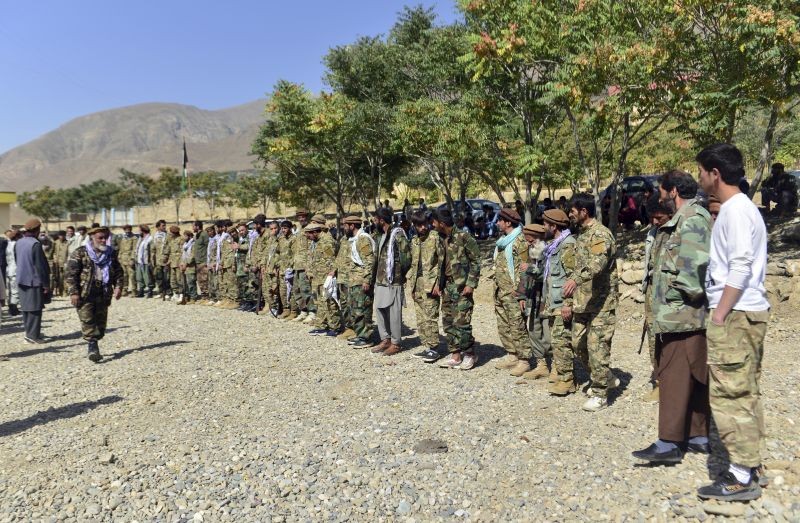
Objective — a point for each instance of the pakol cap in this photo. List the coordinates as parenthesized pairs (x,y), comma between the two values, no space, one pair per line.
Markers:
(354,220)
(32,224)
(318,218)
(312,227)
(510,215)
(95,230)
(533,228)
(174,229)
(556,217)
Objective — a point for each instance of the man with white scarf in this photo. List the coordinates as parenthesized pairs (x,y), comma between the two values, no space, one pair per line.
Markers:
(510,252)
(393,262)
(361,250)
(94,276)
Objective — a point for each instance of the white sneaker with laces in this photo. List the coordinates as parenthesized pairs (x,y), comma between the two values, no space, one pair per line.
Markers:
(301,316)
(467,362)
(595,403)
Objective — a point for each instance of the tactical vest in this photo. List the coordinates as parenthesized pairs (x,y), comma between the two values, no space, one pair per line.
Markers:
(557,276)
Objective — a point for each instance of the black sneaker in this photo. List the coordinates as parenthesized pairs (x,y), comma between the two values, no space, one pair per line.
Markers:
(728,488)
(431,356)
(698,448)
(651,454)
(353,340)
(361,343)
(35,341)
(317,332)
(94,352)
(420,354)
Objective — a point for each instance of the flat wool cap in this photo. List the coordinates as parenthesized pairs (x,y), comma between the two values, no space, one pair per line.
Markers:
(510,215)
(32,224)
(533,228)
(556,217)
(312,227)
(355,220)
(318,218)
(174,229)
(95,230)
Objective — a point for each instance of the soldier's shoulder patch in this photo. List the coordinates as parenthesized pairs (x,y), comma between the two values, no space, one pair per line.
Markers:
(598,246)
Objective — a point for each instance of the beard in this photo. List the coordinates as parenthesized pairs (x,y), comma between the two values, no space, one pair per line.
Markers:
(101,247)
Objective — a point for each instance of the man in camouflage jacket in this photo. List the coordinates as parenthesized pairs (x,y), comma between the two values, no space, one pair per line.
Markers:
(427,256)
(327,321)
(461,272)
(593,288)
(93,277)
(680,261)
(360,248)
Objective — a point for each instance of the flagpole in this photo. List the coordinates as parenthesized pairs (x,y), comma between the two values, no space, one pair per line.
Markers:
(187,181)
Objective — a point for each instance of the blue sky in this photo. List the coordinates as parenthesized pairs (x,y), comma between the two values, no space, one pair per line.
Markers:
(63,59)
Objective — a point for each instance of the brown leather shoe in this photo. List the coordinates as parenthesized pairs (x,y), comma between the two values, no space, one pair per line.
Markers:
(392,350)
(382,346)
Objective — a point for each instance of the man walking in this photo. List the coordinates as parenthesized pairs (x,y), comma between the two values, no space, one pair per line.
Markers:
(33,280)
(94,276)
(680,262)
(593,289)
(739,312)
(392,263)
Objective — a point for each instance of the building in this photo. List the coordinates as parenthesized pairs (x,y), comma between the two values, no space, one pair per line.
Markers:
(6,199)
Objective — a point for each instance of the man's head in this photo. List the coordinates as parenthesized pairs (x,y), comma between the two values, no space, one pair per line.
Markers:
(508,220)
(98,237)
(659,211)
(211,230)
(777,169)
(32,227)
(174,231)
(351,225)
(82,230)
(720,165)
(302,217)
(555,221)
(581,209)
(443,221)
(70,231)
(144,229)
(127,229)
(188,235)
(274,228)
(197,226)
(312,231)
(161,226)
(241,230)
(421,201)
(260,223)
(676,187)
(233,231)
(534,232)
(419,219)
(61,235)
(286,228)
(384,217)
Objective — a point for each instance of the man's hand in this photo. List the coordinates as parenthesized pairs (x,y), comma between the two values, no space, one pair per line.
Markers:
(182,267)
(74,299)
(717,318)
(117,292)
(522,305)
(566,313)
(569,288)
(365,286)
(436,292)
(524,266)
(467,291)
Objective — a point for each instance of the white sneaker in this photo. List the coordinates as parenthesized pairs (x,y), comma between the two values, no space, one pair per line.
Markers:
(595,403)
(310,318)
(301,316)
(467,361)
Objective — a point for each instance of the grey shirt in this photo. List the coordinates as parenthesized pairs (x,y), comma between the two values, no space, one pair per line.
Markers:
(32,267)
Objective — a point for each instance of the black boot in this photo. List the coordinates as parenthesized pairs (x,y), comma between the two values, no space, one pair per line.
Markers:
(94,351)
(13,310)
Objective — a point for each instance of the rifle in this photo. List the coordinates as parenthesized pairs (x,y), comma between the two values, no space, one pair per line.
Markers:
(260,291)
(644,335)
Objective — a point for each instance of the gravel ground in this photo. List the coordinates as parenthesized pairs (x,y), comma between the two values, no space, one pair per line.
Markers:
(197,414)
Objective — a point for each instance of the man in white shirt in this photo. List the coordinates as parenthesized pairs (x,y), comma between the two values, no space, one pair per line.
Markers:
(735,333)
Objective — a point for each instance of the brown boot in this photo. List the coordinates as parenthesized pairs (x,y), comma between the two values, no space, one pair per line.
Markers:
(561,388)
(652,396)
(553,374)
(506,362)
(520,368)
(347,334)
(392,350)
(291,316)
(382,346)
(541,371)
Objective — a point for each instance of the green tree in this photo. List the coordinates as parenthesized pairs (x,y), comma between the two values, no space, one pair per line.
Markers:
(93,197)
(264,188)
(45,203)
(207,186)
(169,186)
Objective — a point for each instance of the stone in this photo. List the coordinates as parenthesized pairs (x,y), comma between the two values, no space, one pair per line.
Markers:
(430,446)
(632,277)
(404,508)
(106,458)
(731,510)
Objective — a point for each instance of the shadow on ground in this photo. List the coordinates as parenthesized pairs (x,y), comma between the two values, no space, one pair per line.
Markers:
(43,350)
(67,411)
(126,352)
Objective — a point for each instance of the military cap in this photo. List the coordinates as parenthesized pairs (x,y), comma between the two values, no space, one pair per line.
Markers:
(510,215)
(318,218)
(174,229)
(533,228)
(385,214)
(352,220)
(301,211)
(233,229)
(32,224)
(95,230)
(312,227)
(556,217)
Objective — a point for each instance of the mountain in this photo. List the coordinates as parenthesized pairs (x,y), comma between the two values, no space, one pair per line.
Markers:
(140,138)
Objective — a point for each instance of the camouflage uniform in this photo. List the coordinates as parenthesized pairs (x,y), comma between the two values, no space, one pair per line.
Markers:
(510,323)
(158,263)
(189,272)
(127,258)
(595,302)
(427,256)
(342,266)
(286,263)
(359,301)
(322,262)
(213,268)
(94,296)
(562,268)
(59,265)
(246,286)
(538,325)
(200,262)
(301,288)
(171,258)
(462,268)
(227,272)
(647,290)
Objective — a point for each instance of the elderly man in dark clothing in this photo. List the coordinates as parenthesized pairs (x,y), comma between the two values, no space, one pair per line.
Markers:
(33,280)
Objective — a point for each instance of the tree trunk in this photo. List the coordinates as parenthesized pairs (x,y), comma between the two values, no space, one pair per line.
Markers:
(613,219)
(765,155)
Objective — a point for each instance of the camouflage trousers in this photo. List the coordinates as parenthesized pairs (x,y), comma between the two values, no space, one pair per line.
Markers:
(539,335)
(591,340)
(327,311)
(561,343)
(161,278)
(301,291)
(269,290)
(247,287)
(227,284)
(57,279)
(144,278)
(287,302)
(213,285)
(457,319)
(359,303)
(176,280)
(511,324)
(344,306)
(128,278)
(93,314)
(190,283)
(735,350)
(649,332)
(202,279)
(426,308)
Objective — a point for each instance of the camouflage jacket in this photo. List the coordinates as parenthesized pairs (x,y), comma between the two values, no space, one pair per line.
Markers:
(300,252)
(502,275)
(680,260)
(595,270)
(343,261)
(361,274)
(227,254)
(286,252)
(60,252)
(402,258)
(427,257)
(173,249)
(200,248)
(157,247)
(127,249)
(80,276)
(322,260)
(462,260)
(530,282)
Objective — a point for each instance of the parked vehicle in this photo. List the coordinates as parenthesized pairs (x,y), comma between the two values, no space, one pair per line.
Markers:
(475,206)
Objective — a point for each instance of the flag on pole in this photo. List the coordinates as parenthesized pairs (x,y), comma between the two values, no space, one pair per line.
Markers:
(185,181)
